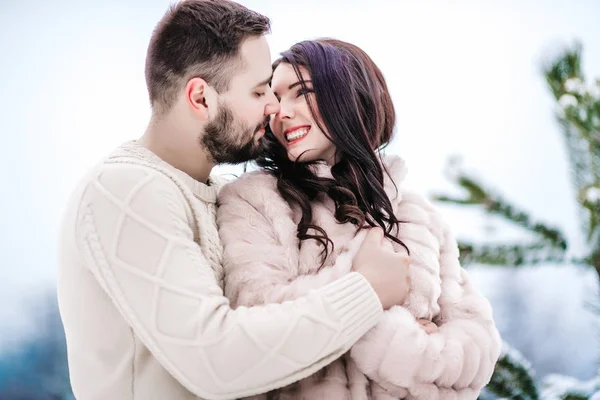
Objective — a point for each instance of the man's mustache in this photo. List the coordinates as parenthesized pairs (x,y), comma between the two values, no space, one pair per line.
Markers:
(263,124)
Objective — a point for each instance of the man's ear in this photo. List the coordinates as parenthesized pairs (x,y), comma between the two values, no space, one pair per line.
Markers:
(198,95)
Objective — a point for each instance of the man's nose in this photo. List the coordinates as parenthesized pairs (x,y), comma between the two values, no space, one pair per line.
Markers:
(272,106)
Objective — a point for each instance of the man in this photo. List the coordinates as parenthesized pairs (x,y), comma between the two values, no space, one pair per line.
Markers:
(140,284)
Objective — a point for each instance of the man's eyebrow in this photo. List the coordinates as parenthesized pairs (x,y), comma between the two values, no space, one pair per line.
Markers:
(265,82)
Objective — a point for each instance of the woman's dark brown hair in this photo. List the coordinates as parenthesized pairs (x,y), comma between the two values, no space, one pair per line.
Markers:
(357,114)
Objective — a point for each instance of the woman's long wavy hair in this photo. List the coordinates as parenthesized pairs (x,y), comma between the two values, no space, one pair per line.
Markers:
(358,116)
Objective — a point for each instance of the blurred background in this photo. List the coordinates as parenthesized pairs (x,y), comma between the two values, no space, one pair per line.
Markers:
(498,120)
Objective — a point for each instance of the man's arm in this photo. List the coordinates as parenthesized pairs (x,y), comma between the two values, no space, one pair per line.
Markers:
(136,240)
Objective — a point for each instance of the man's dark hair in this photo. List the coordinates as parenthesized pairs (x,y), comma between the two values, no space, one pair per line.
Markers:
(198,38)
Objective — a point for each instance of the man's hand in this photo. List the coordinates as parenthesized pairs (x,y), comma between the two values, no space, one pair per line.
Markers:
(386,270)
(428,326)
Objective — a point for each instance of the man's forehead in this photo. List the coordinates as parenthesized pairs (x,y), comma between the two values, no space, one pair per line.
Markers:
(251,77)
(254,64)
(255,50)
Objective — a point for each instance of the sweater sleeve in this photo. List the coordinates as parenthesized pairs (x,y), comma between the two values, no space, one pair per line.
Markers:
(135,237)
(458,361)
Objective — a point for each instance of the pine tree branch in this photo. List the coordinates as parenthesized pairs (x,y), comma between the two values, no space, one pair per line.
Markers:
(575,396)
(562,387)
(567,66)
(579,117)
(514,255)
(513,377)
(579,166)
(446,199)
(477,195)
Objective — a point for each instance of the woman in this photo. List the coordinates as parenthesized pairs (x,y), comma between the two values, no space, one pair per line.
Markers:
(295,225)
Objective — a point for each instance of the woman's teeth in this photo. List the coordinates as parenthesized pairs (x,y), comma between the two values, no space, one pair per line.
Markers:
(297,134)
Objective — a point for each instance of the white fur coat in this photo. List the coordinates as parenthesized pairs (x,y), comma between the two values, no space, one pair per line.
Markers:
(264,263)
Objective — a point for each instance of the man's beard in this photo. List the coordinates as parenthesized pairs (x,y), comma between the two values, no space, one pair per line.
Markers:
(231,142)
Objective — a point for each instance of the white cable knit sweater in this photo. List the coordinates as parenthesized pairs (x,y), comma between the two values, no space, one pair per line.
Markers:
(140,295)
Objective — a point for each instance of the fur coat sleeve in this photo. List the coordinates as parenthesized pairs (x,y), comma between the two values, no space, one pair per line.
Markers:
(261,257)
(456,362)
